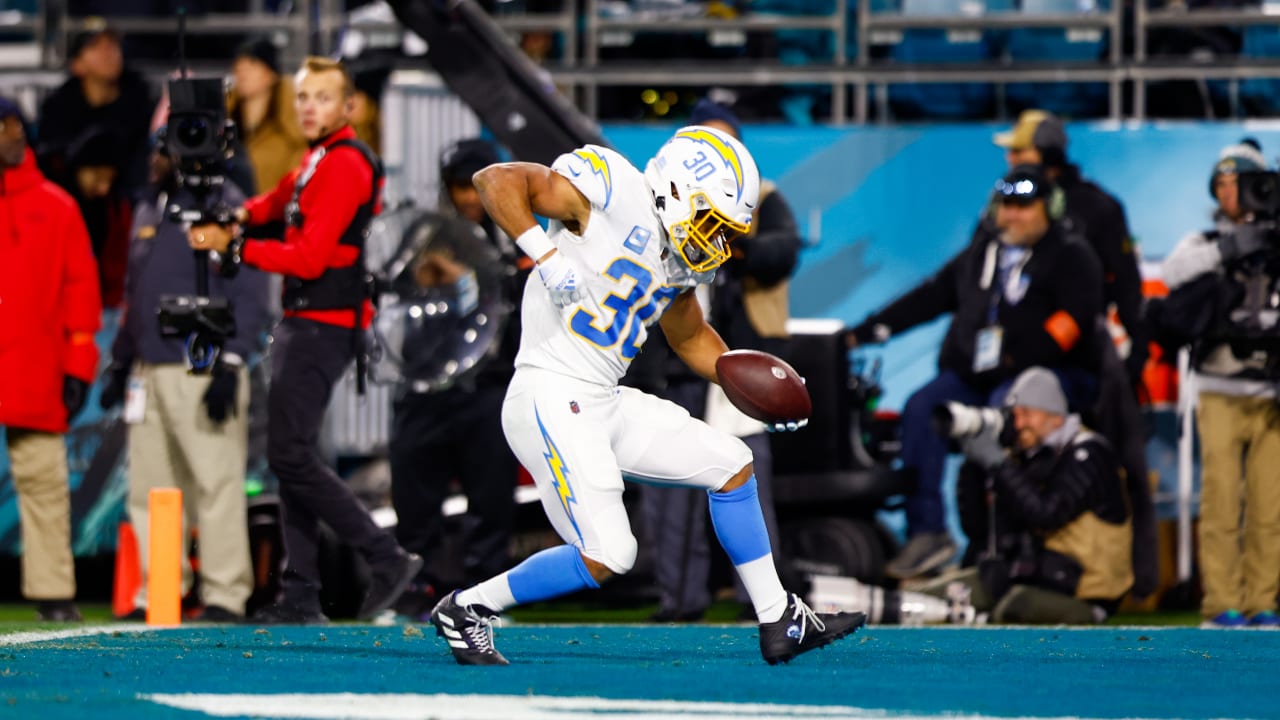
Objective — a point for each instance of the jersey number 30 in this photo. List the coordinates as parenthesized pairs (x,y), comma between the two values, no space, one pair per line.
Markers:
(639,304)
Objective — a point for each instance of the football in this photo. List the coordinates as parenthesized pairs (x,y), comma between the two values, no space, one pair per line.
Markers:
(763,386)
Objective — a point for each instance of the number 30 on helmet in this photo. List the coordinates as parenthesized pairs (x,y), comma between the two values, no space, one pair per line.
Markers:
(705,187)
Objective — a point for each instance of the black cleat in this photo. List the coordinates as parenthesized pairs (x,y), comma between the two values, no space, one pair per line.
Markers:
(800,630)
(388,584)
(468,630)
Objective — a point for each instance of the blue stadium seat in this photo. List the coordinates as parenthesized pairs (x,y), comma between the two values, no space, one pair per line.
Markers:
(1056,45)
(1261,95)
(936,46)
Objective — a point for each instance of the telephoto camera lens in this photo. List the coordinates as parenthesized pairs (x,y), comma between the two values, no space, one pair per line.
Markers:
(956,420)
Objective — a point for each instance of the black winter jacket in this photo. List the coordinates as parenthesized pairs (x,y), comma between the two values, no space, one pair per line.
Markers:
(1065,281)
(1099,218)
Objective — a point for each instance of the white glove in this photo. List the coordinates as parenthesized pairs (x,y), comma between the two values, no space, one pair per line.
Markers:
(790,426)
(560,277)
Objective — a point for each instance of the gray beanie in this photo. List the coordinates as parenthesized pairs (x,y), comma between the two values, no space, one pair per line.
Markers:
(1038,388)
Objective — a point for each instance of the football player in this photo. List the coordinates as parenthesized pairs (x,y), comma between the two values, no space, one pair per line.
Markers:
(623,251)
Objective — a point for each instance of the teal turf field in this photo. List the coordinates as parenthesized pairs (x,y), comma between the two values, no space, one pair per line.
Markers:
(636,672)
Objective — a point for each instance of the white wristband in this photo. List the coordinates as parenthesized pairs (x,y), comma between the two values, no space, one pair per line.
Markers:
(535,243)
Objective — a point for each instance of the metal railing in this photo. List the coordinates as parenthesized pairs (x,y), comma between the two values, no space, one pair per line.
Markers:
(856,84)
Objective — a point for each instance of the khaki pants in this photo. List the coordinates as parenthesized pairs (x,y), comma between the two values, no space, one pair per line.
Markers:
(39,461)
(1240,462)
(177,445)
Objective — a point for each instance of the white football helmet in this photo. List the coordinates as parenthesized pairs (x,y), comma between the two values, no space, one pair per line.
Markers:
(705,188)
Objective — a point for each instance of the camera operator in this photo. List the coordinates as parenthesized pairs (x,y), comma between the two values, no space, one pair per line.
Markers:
(1052,512)
(1237,417)
(187,430)
(326,205)
(1029,295)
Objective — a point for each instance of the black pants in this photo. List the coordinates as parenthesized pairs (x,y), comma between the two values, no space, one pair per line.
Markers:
(436,438)
(307,359)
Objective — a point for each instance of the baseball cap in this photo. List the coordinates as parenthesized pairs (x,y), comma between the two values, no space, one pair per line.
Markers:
(1034,129)
(462,159)
(94,27)
(1037,388)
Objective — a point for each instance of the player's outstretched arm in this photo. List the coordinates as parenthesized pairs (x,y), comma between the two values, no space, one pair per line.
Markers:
(513,193)
(689,335)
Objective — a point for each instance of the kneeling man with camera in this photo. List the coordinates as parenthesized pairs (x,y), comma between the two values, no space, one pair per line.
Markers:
(1050,508)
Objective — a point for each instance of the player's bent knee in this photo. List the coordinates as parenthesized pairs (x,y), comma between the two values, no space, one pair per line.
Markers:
(738,480)
(617,557)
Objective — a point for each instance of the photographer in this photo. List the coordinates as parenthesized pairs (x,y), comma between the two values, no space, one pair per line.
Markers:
(1052,512)
(1211,274)
(187,430)
(326,205)
(1027,294)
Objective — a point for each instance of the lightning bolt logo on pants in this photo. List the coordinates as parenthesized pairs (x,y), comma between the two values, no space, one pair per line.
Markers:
(559,473)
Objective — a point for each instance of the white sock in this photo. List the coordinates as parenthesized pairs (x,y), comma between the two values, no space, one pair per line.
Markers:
(494,593)
(760,578)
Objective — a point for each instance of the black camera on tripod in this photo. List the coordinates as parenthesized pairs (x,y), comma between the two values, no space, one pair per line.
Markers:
(198,140)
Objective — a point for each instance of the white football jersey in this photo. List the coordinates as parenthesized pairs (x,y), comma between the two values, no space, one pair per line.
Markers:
(628,275)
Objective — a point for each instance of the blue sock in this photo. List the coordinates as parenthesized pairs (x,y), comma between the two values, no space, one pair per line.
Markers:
(739,523)
(549,574)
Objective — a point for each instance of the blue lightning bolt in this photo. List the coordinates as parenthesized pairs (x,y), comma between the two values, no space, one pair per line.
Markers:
(599,167)
(559,473)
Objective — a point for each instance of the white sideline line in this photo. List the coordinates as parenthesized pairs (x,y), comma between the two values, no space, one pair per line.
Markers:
(36,636)
(356,706)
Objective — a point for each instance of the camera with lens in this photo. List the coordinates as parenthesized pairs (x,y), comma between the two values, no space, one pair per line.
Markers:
(199,135)
(1259,193)
(958,421)
(1248,317)
(198,141)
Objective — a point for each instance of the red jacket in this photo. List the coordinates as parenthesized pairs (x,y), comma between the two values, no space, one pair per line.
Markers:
(49,303)
(342,183)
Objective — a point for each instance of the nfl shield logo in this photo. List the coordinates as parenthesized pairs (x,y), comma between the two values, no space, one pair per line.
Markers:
(573,407)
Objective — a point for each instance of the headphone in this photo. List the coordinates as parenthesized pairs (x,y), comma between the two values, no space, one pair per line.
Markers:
(1056,203)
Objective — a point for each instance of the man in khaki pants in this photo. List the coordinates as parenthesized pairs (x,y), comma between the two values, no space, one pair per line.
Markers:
(49,311)
(187,429)
(1238,418)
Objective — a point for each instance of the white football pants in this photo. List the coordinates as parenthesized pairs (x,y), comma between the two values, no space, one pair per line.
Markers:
(579,439)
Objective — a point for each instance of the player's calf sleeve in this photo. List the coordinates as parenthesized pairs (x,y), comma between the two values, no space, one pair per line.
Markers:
(542,576)
(739,525)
